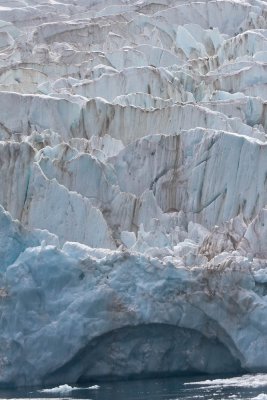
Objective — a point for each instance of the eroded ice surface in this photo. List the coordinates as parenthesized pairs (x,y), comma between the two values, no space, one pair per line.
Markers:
(133,189)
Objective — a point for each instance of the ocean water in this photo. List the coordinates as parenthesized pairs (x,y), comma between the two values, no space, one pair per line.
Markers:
(201,387)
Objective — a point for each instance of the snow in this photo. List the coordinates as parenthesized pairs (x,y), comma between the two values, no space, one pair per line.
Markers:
(132,190)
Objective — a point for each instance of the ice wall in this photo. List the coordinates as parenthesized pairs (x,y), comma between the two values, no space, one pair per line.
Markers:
(133,189)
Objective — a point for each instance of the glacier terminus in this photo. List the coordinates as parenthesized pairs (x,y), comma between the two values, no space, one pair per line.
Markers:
(133,189)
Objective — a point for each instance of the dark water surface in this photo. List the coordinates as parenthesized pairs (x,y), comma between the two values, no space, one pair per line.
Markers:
(204,387)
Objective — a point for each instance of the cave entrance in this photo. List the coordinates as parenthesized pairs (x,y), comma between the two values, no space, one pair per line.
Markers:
(146,351)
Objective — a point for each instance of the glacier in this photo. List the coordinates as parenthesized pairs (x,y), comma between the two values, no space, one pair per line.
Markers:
(133,189)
